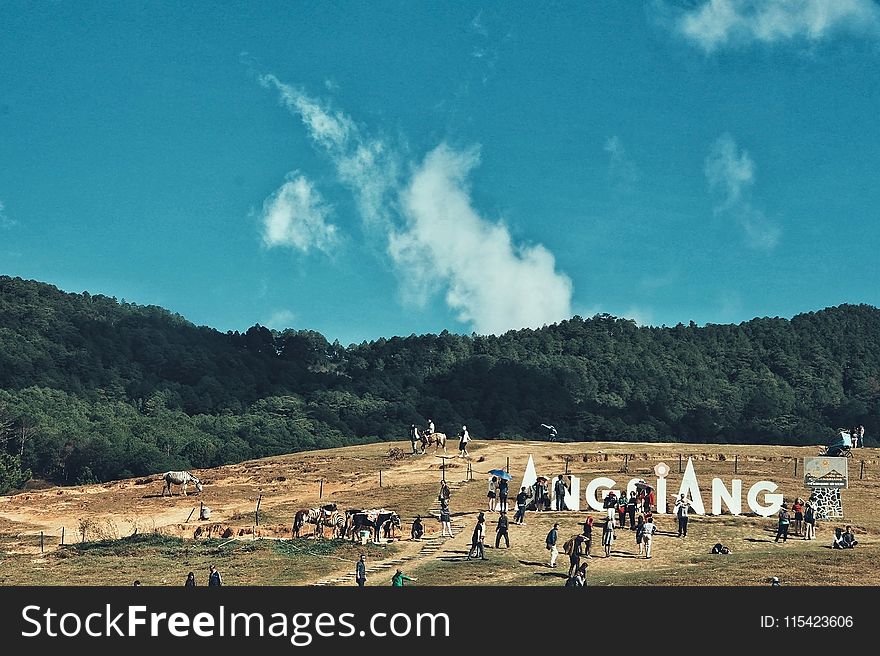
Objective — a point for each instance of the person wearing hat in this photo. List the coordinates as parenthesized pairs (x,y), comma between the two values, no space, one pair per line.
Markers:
(782,528)
(463,439)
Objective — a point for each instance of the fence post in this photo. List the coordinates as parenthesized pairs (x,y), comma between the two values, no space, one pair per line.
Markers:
(566,466)
(257,512)
(380,478)
(62,536)
(191,514)
(626,463)
(321,490)
(735,463)
(507,469)
(861,470)
(679,463)
(795,467)
(41,542)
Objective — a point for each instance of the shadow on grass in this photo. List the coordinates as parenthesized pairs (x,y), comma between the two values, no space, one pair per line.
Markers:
(553,575)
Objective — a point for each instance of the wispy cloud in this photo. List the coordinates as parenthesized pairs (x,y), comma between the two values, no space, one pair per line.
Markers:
(296,216)
(280,319)
(731,174)
(5,221)
(621,168)
(435,239)
(718,23)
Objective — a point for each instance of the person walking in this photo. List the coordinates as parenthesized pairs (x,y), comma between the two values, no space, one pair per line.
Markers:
(463,439)
(399,578)
(360,571)
(682,507)
(445,520)
(552,538)
(214,577)
(608,536)
(501,531)
(444,494)
(648,537)
(492,494)
(503,486)
(588,535)
(521,500)
(559,490)
(413,436)
(640,533)
(190,580)
(782,526)
(578,549)
(477,548)
(809,521)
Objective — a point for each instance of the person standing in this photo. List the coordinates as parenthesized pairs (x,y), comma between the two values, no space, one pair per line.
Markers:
(413,436)
(463,439)
(610,504)
(445,519)
(798,509)
(502,494)
(559,490)
(648,537)
(214,577)
(640,533)
(360,571)
(588,535)
(501,531)
(521,500)
(809,521)
(399,578)
(621,510)
(444,492)
(492,493)
(540,494)
(682,507)
(190,580)
(552,538)
(631,506)
(608,536)
(782,527)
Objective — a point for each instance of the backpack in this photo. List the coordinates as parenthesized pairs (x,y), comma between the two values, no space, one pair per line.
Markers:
(568,546)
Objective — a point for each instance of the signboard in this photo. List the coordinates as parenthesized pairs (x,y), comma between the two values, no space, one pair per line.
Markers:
(823,472)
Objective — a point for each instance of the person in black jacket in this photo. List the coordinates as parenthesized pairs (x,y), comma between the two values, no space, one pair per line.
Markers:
(501,531)
(417,528)
(190,580)
(521,500)
(361,571)
(214,576)
(559,490)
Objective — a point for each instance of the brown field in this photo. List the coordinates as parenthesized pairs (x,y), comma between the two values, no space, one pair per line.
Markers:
(131,532)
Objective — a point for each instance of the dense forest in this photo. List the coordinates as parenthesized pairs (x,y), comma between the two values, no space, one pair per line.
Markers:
(95,389)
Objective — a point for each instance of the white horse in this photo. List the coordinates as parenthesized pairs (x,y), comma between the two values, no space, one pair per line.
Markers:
(183,478)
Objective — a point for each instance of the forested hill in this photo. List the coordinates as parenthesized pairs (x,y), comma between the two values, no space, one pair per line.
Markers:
(91,388)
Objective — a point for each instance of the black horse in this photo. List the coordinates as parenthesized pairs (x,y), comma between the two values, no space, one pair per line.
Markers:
(359,519)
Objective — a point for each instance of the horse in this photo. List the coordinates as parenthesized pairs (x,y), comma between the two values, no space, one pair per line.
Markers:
(373,520)
(183,478)
(437,439)
(317,516)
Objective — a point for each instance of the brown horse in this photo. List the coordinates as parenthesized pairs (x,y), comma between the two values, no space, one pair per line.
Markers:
(437,439)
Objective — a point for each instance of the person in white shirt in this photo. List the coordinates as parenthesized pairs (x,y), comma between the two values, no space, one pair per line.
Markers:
(492,494)
(648,536)
(682,506)
(430,427)
(463,439)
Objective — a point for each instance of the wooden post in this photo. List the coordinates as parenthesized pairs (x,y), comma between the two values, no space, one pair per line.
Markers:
(507,469)
(795,467)
(257,512)
(443,470)
(190,515)
(41,542)
(62,536)
(566,466)
(861,470)
(735,463)
(321,490)
(626,463)
(679,463)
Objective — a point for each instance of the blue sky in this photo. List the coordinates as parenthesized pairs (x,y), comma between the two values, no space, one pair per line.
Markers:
(388,168)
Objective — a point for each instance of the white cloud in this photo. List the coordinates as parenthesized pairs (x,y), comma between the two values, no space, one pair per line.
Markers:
(718,23)
(296,216)
(5,221)
(490,281)
(280,319)
(731,174)
(435,238)
(623,171)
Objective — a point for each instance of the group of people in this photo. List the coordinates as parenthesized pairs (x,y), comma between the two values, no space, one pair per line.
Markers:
(802,515)
(844,539)
(415,437)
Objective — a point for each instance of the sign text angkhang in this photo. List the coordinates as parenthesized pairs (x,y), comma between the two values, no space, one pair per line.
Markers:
(762,498)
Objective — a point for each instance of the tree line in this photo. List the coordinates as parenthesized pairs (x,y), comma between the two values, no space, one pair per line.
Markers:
(94,389)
